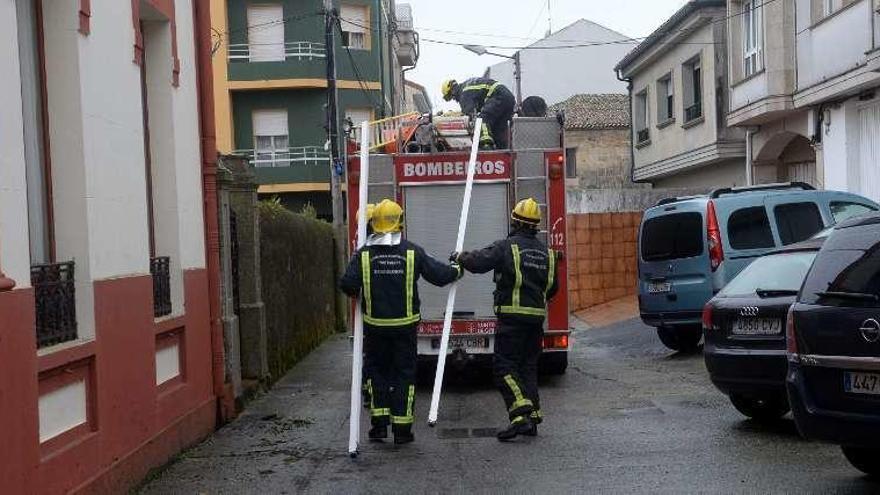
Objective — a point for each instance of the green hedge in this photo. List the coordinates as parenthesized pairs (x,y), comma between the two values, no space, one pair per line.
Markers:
(299,285)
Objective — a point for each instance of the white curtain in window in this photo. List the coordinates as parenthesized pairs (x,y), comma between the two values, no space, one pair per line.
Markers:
(266,33)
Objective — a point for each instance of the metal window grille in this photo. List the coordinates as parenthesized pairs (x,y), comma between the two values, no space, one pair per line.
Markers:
(694,111)
(160,269)
(55,298)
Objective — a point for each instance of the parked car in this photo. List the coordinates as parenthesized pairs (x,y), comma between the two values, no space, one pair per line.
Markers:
(744,334)
(689,248)
(833,339)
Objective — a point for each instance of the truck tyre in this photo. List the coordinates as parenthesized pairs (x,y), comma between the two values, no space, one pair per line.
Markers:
(761,410)
(865,460)
(553,363)
(681,339)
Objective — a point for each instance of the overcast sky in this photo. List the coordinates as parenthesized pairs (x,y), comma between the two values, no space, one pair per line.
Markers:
(512,23)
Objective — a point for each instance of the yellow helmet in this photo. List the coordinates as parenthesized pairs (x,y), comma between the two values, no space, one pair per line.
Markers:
(448,88)
(527,211)
(387,217)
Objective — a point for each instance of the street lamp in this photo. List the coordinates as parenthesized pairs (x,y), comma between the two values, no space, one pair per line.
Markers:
(517,68)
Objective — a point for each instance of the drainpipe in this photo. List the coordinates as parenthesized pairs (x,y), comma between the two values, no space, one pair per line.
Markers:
(632,149)
(202,30)
(750,171)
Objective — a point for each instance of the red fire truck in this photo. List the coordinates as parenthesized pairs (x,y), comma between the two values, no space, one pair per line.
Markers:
(430,186)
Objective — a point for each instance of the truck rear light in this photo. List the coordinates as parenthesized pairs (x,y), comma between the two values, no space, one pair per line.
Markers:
(707,316)
(713,236)
(556,342)
(791,336)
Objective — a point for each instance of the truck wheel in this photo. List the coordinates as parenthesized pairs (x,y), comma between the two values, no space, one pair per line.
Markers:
(761,410)
(554,363)
(865,460)
(681,339)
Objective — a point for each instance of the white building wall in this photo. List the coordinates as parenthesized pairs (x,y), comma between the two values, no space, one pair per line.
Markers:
(14,247)
(834,46)
(558,74)
(842,148)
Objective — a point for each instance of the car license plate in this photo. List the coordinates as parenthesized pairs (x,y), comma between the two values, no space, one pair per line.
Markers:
(861,383)
(463,343)
(659,287)
(757,326)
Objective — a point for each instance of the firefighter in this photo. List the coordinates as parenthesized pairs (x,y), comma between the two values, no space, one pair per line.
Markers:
(385,273)
(525,278)
(488,99)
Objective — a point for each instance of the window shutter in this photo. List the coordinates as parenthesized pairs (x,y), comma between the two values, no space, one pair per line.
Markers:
(354,18)
(266,33)
(270,123)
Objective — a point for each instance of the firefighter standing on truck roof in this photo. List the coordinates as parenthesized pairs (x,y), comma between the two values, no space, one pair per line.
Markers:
(385,272)
(525,278)
(490,100)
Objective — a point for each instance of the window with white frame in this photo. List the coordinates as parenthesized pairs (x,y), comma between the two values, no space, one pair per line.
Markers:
(665,99)
(266,33)
(692,82)
(643,134)
(752,37)
(358,115)
(271,140)
(354,22)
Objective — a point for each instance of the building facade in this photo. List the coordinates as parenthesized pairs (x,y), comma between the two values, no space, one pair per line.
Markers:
(270,76)
(807,72)
(679,88)
(112,355)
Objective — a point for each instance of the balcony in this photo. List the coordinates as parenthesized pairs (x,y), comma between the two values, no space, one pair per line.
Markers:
(291,50)
(303,155)
(55,297)
(406,36)
(160,269)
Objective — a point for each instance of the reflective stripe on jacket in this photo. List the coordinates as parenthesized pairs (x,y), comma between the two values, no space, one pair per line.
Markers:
(475,92)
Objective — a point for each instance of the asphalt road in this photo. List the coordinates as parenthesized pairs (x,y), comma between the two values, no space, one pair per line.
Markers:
(628,417)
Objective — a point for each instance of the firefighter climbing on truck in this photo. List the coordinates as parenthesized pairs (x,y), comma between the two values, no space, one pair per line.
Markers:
(525,279)
(486,98)
(385,274)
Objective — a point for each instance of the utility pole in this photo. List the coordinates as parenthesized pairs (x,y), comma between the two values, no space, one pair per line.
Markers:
(337,159)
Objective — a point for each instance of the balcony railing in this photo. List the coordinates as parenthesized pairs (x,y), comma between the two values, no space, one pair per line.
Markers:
(160,269)
(693,112)
(55,297)
(299,50)
(643,135)
(303,155)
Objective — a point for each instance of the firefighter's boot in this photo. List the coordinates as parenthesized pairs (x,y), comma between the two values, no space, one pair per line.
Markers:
(518,426)
(486,141)
(378,433)
(403,434)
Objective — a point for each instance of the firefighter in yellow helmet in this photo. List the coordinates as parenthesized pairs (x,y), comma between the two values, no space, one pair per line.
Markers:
(525,278)
(486,98)
(385,274)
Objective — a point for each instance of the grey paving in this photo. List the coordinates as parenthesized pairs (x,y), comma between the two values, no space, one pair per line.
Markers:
(628,417)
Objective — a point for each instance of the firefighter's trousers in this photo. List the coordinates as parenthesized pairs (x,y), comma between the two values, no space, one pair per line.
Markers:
(390,367)
(517,350)
(497,111)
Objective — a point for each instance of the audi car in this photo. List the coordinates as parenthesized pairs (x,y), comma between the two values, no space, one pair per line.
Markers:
(833,335)
(744,334)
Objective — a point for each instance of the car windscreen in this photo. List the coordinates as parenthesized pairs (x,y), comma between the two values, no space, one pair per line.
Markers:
(845,275)
(783,272)
(673,236)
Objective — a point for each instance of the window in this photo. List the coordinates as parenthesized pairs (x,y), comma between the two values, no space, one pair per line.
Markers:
(358,116)
(675,236)
(783,272)
(641,120)
(849,263)
(571,157)
(354,24)
(752,37)
(692,79)
(797,221)
(842,210)
(271,142)
(665,100)
(749,228)
(266,33)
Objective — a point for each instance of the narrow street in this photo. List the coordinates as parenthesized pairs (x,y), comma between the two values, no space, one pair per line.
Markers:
(627,417)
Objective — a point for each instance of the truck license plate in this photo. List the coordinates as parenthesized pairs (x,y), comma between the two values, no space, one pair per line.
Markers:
(463,343)
(861,383)
(757,326)
(659,287)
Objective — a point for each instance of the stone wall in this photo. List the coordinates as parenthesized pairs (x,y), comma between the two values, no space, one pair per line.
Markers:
(603,157)
(602,257)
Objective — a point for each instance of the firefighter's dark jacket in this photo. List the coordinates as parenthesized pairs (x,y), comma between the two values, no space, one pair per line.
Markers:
(387,278)
(525,274)
(474,92)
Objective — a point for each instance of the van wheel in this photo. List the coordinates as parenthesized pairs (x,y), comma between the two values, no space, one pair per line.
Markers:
(682,339)
(865,460)
(761,410)
(553,363)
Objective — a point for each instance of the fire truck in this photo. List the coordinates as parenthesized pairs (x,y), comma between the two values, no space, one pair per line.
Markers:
(421,162)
